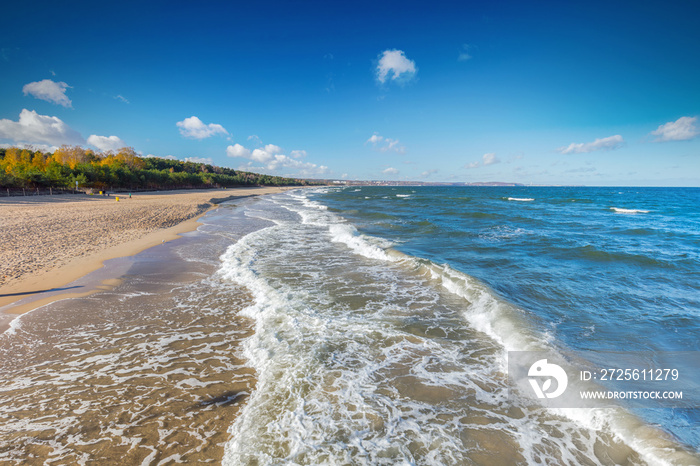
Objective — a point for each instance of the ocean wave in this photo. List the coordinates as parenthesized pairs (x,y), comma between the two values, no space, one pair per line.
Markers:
(620,210)
(521,199)
(593,253)
(475,214)
(360,244)
(315,213)
(638,232)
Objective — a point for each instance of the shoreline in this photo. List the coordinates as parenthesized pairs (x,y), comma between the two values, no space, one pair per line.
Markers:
(149,367)
(47,285)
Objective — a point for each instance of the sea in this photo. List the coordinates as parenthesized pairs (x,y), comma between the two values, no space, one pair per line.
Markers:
(370,325)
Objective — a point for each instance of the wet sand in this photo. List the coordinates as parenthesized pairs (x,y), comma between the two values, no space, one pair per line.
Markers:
(148,372)
(146,369)
(50,241)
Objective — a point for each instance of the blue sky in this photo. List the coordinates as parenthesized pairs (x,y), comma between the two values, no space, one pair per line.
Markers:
(594,93)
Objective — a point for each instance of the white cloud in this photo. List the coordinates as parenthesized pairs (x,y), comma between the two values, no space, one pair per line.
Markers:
(237,150)
(609,143)
(395,62)
(490,159)
(122,98)
(303,168)
(390,171)
(106,143)
(255,139)
(273,149)
(266,155)
(464,53)
(393,145)
(383,144)
(33,128)
(199,160)
(32,147)
(316,171)
(194,128)
(375,138)
(486,159)
(49,91)
(262,156)
(167,157)
(271,159)
(427,173)
(682,129)
(581,170)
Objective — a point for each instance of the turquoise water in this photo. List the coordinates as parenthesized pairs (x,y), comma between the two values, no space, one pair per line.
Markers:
(383,318)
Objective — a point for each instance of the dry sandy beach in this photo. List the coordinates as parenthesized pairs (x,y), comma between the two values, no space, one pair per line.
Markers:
(49,241)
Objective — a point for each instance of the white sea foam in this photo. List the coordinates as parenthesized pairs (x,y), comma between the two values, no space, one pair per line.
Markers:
(315,213)
(620,210)
(325,374)
(403,195)
(521,199)
(14,325)
(347,234)
(502,232)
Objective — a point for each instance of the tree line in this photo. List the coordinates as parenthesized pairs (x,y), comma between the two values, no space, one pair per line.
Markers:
(122,169)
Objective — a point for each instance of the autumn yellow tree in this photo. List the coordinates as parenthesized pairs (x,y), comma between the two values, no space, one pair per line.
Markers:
(130,158)
(70,155)
(11,159)
(25,157)
(39,161)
